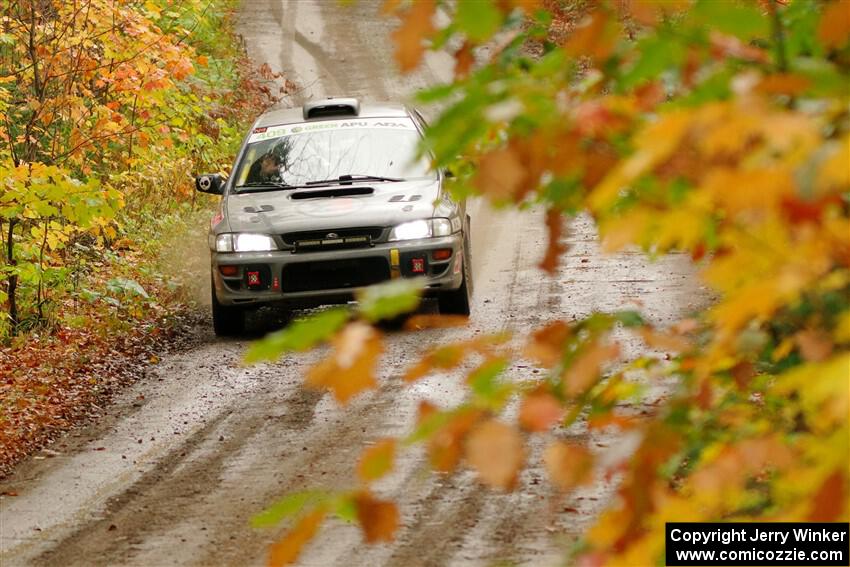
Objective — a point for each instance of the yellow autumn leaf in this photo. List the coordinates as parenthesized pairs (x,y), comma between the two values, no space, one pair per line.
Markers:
(377,460)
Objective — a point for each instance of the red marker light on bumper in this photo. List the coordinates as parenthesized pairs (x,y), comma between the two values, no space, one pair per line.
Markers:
(442,254)
(229,271)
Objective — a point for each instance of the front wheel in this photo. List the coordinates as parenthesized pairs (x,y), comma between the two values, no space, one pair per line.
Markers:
(457,301)
(227,321)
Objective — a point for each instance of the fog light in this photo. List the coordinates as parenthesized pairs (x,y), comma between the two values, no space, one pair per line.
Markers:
(442,254)
(229,271)
(254,279)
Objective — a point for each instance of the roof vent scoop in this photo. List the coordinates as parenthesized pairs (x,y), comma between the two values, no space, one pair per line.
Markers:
(331,107)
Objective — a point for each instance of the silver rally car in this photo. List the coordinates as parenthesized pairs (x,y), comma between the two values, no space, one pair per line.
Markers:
(329,198)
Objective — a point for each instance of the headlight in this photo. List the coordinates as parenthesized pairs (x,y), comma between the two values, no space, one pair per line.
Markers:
(421,229)
(244,242)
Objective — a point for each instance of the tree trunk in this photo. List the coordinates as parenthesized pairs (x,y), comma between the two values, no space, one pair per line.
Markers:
(12,280)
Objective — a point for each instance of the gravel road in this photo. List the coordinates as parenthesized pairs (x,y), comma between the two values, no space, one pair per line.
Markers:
(184,458)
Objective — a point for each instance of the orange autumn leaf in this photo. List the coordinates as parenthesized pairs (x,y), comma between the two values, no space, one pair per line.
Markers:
(501,174)
(723,45)
(663,341)
(444,447)
(450,356)
(784,84)
(594,37)
(527,6)
(834,26)
(377,460)
(539,411)
(287,550)
(351,368)
(736,464)
(496,451)
(390,7)
(830,501)
(555,247)
(464,60)
(442,358)
(815,345)
(425,410)
(585,369)
(610,420)
(378,518)
(547,344)
(409,39)
(568,465)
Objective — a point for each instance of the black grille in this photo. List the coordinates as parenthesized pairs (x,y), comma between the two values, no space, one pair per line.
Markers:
(334,274)
(373,232)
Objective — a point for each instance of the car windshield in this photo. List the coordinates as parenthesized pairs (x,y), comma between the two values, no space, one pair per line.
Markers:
(297,154)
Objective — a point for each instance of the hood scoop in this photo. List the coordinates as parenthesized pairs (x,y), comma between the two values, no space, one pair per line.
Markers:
(329,193)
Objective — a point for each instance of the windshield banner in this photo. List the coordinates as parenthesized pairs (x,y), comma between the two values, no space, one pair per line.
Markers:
(269,132)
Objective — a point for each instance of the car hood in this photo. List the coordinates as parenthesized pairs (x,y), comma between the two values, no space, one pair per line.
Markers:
(336,206)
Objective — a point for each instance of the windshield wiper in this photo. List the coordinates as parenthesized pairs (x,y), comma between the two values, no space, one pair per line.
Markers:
(353,177)
(256,186)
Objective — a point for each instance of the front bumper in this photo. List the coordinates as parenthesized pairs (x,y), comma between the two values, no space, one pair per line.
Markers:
(330,276)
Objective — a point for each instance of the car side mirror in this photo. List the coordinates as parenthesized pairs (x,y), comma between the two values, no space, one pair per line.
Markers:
(211,183)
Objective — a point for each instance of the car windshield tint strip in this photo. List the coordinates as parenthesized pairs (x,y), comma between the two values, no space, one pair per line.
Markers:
(306,127)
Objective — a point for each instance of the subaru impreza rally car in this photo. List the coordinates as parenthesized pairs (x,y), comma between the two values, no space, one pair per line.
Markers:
(329,198)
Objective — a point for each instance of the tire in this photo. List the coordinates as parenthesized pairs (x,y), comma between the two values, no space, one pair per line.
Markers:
(227,321)
(457,301)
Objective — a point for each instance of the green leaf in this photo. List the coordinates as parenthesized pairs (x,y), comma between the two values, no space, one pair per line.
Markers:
(483,379)
(345,508)
(430,425)
(655,54)
(629,318)
(291,505)
(126,286)
(487,387)
(390,299)
(742,19)
(479,19)
(301,335)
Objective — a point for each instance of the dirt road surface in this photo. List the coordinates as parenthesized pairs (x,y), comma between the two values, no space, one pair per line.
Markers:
(184,458)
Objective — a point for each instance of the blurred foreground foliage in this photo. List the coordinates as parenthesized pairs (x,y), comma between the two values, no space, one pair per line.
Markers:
(715,127)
